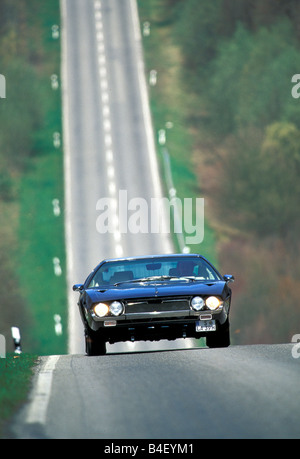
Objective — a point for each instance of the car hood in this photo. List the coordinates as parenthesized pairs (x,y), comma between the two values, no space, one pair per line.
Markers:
(157,290)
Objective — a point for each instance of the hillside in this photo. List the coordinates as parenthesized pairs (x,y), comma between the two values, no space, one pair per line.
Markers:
(236,61)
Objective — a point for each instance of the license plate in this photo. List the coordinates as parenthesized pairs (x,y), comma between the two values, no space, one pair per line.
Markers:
(205,325)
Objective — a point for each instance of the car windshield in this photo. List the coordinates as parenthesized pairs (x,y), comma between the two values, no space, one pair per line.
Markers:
(117,272)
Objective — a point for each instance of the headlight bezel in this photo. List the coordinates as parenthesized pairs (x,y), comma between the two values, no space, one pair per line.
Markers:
(100,310)
(197,300)
(114,305)
(213,303)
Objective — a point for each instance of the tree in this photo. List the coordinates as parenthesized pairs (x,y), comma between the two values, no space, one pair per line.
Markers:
(250,79)
(198,35)
(263,191)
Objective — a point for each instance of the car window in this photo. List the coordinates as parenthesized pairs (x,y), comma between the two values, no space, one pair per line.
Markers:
(119,271)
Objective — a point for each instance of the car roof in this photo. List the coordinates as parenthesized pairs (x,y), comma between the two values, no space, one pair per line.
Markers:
(164,255)
(153,257)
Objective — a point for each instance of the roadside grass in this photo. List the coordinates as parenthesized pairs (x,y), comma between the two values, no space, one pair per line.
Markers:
(170,107)
(39,233)
(15,376)
(41,236)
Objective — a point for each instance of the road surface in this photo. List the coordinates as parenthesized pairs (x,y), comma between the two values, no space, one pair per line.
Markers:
(109,140)
(238,392)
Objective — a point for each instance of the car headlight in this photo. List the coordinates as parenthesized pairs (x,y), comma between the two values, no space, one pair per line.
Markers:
(101,309)
(213,303)
(116,308)
(197,303)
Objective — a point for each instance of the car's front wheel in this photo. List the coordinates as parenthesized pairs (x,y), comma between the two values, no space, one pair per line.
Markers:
(220,338)
(94,345)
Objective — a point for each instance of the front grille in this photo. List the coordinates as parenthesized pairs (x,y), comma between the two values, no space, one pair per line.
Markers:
(156,304)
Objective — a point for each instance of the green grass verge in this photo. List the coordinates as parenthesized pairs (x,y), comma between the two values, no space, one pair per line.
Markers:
(41,233)
(169,104)
(42,241)
(15,376)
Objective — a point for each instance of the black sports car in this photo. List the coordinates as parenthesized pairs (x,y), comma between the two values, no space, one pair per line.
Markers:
(153,298)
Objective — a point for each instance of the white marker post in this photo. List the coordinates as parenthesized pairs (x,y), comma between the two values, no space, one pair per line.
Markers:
(162,137)
(57,267)
(146,29)
(55,32)
(2,87)
(16,336)
(153,77)
(56,139)
(57,325)
(2,347)
(56,207)
(54,82)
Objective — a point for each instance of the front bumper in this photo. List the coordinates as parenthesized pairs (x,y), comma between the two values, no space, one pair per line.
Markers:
(154,326)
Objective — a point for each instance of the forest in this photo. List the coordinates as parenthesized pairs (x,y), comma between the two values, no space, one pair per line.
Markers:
(238,58)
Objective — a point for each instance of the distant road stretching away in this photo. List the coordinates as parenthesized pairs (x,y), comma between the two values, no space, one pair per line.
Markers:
(109,141)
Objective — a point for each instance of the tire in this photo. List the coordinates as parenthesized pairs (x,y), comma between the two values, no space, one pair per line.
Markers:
(220,338)
(94,345)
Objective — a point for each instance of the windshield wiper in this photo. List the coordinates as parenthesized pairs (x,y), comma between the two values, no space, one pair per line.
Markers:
(154,278)
(142,279)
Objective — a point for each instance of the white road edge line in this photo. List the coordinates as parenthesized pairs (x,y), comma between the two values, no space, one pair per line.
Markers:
(40,396)
(67,174)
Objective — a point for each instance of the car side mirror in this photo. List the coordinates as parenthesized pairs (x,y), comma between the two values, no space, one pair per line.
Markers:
(228,278)
(77,287)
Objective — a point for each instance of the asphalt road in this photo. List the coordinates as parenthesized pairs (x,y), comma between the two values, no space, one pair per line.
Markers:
(238,392)
(108,138)
(136,391)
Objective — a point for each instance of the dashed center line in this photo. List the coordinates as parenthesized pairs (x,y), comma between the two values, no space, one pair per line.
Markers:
(108,141)
(111,172)
(109,156)
(104,84)
(106,125)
